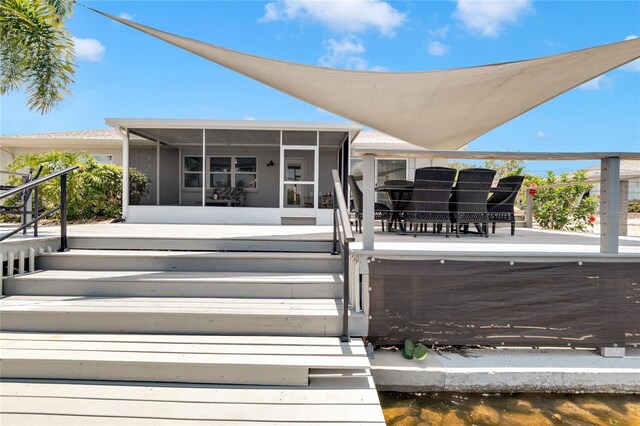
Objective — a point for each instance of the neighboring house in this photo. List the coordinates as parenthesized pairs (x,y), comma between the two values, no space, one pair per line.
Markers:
(283,168)
(629,172)
(104,144)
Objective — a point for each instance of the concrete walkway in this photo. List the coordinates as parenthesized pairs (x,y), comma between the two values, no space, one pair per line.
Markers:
(508,371)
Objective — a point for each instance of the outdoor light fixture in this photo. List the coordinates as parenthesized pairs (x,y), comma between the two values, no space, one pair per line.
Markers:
(271,164)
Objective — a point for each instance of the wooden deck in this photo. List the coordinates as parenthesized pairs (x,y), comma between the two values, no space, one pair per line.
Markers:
(525,240)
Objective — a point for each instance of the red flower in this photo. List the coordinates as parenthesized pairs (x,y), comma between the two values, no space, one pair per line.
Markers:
(532,189)
(592,219)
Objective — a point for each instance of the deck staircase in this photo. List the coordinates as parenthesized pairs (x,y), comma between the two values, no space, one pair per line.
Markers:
(146,332)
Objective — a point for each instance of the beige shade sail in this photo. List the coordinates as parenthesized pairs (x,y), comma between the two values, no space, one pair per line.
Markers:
(441,110)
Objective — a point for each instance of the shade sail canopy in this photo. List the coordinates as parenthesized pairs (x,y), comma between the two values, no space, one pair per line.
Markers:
(442,110)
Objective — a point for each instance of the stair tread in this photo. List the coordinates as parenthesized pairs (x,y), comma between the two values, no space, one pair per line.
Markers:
(185,276)
(330,400)
(48,347)
(195,305)
(290,341)
(194,254)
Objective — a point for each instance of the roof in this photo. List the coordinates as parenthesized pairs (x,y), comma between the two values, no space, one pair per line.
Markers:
(629,169)
(440,110)
(373,139)
(94,134)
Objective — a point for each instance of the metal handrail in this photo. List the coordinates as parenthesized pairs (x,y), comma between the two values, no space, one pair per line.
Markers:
(62,208)
(342,239)
(37,182)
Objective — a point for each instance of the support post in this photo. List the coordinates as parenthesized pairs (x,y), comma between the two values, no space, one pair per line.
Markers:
(125,175)
(368,195)
(528,212)
(157,172)
(334,244)
(204,167)
(36,208)
(63,213)
(609,204)
(345,301)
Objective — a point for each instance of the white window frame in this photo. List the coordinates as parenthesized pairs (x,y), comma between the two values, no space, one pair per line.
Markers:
(207,171)
(184,171)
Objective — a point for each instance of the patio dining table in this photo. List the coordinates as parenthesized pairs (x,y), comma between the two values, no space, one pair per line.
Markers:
(397,195)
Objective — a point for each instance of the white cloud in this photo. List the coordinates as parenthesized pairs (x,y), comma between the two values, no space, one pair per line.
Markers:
(436,48)
(541,135)
(350,16)
(345,53)
(88,49)
(440,32)
(595,84)
(634,65)
(249,117)
(488,17)
(125,15)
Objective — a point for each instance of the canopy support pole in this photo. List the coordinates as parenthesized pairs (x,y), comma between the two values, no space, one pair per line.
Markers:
(609,204)
(368,195)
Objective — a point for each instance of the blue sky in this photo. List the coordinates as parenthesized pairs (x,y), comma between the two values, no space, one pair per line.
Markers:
(124,73)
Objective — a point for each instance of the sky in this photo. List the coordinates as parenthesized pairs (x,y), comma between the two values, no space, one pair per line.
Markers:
(124,73)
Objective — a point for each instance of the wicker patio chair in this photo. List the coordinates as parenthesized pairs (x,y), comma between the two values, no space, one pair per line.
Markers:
(469,199)
(500,204)
(381,212)
(429,201)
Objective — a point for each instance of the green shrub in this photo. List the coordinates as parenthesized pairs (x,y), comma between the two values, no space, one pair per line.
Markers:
(93,191)
(634,206)
(565,207)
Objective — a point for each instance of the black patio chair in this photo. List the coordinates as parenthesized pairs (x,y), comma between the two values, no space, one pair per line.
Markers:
(397,200)
(469,200)
(500,204)
(429,201)
(381,212)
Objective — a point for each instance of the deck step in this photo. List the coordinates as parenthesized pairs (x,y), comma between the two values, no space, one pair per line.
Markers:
(175,284)
(92,242)
(257,360)
(230,316)
(328,400)
(194,261)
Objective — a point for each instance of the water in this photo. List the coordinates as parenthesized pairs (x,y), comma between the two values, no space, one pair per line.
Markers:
(458,409)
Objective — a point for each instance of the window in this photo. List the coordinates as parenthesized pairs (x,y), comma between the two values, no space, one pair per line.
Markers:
(192,169)
(103,158)
(220,172)
(386,169)
(223,172)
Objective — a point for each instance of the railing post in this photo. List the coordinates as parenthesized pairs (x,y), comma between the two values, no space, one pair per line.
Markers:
(63,213)
(345,300)
(334,244)
(35,209)
(528,212)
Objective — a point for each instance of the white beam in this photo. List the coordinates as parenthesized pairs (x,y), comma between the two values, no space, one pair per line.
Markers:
(609,204)
(125,175)
(157,172)
(204,167)
(368,193)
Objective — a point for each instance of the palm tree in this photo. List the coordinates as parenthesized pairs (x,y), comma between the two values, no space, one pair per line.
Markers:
(36,51)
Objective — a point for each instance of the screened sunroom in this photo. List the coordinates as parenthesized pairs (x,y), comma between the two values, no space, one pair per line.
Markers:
(253,172)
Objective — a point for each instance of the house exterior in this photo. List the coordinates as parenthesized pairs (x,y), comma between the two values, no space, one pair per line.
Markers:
(281,169)
(629,177)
